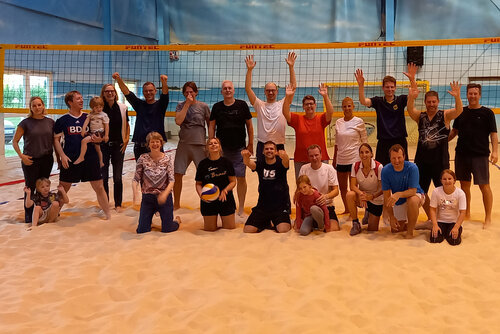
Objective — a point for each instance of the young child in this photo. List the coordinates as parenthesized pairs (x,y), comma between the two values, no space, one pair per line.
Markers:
(47,203)
(308,214)
(99,126)
(447,210)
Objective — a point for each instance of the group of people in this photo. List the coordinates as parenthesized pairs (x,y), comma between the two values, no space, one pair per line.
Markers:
(386,184)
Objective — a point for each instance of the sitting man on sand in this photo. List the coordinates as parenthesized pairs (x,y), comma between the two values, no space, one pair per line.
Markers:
(402,193)
(273,207)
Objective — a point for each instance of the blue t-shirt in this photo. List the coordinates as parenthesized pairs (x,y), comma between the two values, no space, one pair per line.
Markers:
(401,181)
(71,127)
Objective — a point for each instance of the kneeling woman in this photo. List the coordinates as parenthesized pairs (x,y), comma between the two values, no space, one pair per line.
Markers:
(219,171)
(366,190)
(155,173)
(447,209)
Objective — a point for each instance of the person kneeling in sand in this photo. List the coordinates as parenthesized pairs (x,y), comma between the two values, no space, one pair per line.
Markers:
(47,203)
(402,193)
(309,215)
(155,173)
(99,126)
(273,207)
(447,210)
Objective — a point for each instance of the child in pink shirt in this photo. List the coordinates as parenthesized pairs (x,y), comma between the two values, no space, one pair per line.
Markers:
(308,214)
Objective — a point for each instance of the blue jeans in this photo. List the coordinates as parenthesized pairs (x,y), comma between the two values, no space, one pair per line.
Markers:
(111,152)
(149,206)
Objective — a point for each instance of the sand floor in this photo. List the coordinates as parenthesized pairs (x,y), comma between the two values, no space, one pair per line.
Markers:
(86,275)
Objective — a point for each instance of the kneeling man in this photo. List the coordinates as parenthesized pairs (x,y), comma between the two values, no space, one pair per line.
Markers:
(402,193)
(273,207)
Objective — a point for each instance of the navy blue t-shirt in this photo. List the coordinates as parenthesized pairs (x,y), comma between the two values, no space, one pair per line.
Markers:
(391,122)
(150,117)
(71,127)
(273,186)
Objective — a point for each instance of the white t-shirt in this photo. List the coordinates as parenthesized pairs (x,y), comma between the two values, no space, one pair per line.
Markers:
(348,136)
(321,178)
(271,124)
(448,206)
(369,183)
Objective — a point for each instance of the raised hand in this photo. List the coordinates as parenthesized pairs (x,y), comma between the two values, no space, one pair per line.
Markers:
(27,191)
(359,77)
(323,90)
(290,90)
(412,71)
(413,92)
(250,62)
(290,60)
(163,78)
(116,76)
(454,89)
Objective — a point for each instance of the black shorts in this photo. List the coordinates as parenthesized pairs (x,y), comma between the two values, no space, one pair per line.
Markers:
(219,208)
(262,219)
(428,172)
(477,166)
(445,234)
(343,168)
(374,209)
(88,170)
(331,213)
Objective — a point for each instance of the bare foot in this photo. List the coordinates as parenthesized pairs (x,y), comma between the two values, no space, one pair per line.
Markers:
(487,223)
(427,225)
(409,235)
(177,207)
(178,219)
(118,209)
(79,160)
(344,213)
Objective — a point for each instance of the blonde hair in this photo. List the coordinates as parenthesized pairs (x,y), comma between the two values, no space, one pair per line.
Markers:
(153,135)
(40,181)
(95,102)
(33,98)
(301,179)
(347,99)
(208,143)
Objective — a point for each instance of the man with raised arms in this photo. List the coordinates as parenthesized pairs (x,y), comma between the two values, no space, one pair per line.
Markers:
(271,123)
(475,127)
(324,178)
(273,207)
(69,127)
(391,125)
(402,193)
(432,155)
(150,112)
(228,120)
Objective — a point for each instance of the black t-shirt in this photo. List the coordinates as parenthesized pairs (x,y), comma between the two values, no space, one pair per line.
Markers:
(115,122)
(474,127)
(391,122)
(273,186)
(215,171)
(432,147)
(230,123)
(150,117)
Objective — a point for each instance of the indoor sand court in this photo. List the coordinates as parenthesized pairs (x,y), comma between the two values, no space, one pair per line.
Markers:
(83,274)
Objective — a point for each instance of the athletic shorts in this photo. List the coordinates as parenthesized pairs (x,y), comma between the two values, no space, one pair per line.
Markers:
(374,209)
(477,166)
(88,170)
(331,213)
(262,219)
(343,168)
(187,153)
(237,160)
(219,208)
(428,172)
(401,211)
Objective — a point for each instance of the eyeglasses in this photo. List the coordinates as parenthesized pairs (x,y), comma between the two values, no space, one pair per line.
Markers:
(309,104)
(109,91)
(271,90)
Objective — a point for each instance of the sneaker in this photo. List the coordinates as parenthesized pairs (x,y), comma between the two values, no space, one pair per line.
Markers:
(355,229)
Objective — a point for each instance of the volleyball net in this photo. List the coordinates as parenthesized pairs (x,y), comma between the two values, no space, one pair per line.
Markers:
(50,71)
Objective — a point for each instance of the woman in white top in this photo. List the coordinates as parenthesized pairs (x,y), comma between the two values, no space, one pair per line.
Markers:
(447,208)
(366,190)
(350,132)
